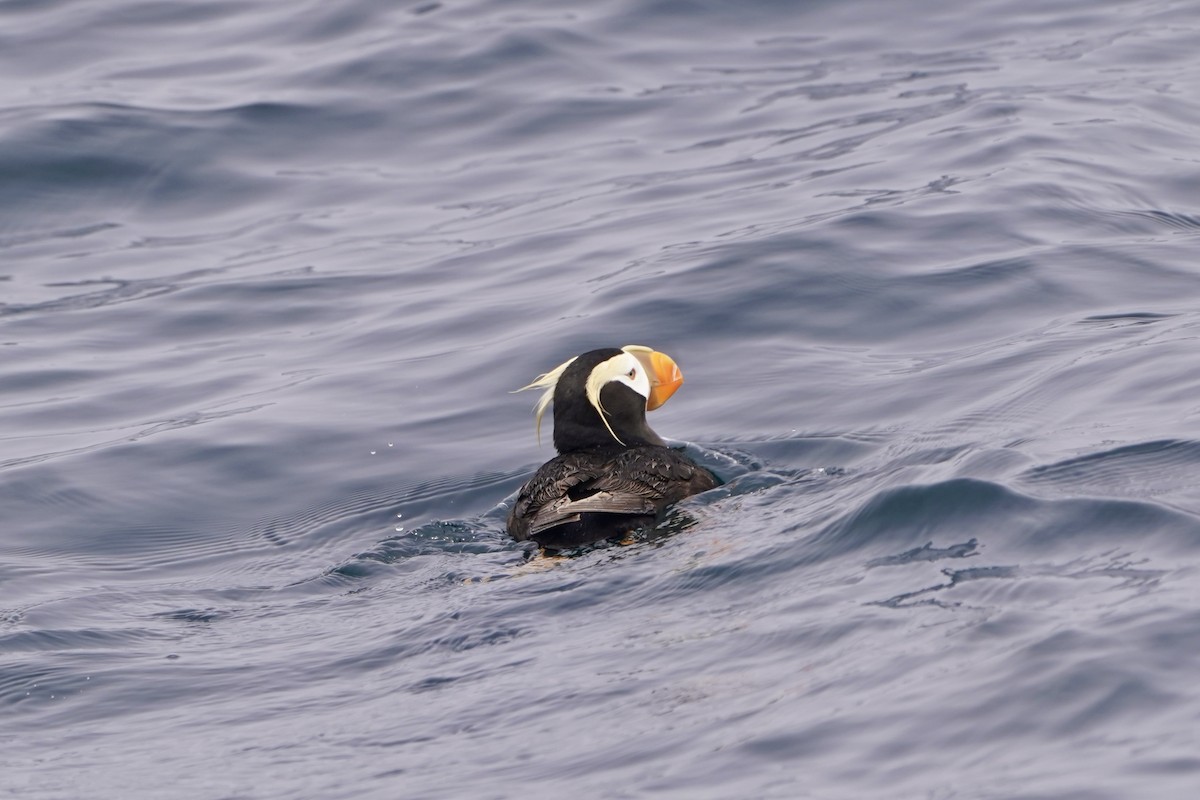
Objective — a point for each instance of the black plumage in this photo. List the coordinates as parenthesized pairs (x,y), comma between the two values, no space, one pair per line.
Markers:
(606,480)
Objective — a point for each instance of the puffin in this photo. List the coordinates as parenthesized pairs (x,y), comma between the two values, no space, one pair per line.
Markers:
(612,474)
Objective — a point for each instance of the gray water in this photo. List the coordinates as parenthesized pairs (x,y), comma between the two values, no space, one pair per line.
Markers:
(269,272)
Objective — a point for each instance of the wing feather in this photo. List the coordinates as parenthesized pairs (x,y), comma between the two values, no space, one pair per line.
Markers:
(631,482)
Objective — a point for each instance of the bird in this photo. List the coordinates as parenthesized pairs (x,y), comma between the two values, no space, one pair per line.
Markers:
(613,474)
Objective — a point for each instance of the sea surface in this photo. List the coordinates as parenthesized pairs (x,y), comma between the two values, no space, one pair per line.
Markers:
(270,271)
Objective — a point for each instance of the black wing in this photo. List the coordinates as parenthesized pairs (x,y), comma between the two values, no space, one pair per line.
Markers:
(596,494)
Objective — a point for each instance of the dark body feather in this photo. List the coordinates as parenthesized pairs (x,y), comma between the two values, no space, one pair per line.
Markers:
(597,488)
(588,495)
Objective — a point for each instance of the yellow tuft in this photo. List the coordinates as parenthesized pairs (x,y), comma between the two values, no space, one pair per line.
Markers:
(601,374)
(546,381)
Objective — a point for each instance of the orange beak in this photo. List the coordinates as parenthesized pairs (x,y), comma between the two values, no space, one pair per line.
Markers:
(665,378)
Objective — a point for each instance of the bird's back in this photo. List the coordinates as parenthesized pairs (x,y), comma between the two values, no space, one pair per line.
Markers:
(588,495)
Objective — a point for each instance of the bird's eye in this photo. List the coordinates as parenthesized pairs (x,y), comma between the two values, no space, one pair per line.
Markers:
(631,374)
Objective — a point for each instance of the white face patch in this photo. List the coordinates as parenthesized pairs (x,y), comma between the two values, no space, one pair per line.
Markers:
(633,374)
(624,368)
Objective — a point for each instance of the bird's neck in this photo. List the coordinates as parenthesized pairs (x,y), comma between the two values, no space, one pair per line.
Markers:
(571,435)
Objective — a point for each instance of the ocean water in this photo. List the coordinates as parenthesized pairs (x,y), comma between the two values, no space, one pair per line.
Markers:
(270,271)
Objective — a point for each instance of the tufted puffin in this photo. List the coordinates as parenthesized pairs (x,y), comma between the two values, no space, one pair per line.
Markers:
(612,474)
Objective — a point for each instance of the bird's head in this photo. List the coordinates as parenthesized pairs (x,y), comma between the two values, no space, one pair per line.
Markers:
(601,397)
